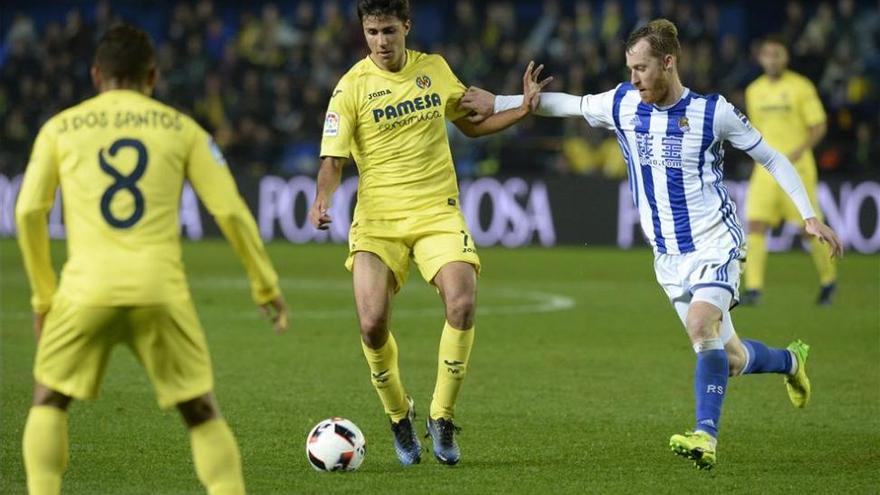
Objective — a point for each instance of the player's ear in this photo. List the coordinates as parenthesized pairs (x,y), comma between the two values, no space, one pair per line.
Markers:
(95,72)
(668,62)
(152,75)
(407,25)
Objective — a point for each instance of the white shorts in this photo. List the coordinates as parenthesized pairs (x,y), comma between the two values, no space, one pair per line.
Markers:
(708,274)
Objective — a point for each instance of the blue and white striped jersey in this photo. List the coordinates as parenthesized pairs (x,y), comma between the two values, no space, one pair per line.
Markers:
(675,164)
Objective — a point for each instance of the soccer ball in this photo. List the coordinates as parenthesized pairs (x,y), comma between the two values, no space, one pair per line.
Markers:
(336,444)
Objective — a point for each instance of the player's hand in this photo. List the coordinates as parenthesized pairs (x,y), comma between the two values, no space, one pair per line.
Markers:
(480,102)
(532,86)
(39,319)
(318,215)
(825,234)
(275,311)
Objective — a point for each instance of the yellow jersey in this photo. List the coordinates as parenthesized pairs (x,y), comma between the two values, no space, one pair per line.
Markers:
(121,159)
(394,126)
(783,110)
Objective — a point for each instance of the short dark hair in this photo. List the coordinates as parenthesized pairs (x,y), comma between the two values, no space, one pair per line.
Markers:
(661,34)
(125,53)
(382,8)
(774,39)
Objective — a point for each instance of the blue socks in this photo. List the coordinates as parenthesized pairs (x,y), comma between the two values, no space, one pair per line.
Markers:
(710,384)
(710,376)
(763,359)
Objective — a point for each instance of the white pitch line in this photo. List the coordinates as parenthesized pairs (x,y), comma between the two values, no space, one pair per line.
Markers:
(538,302)
(535,301)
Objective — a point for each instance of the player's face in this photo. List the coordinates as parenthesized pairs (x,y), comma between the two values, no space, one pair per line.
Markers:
(386,37)
(651,75)
(773,58)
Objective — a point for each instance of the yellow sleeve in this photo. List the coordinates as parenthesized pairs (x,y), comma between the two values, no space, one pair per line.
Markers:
(457,90)
(212,181)
(811,106)
(751,100)
(340,121)
(31,216)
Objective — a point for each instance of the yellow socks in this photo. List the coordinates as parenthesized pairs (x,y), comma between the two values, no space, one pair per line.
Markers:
(825,266)
(756,261)
(216,457)
(218,463)
(455,349)
(45,449)
(386,378)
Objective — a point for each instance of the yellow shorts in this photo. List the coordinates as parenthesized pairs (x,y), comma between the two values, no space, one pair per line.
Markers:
(168,340)
(432,241)
(767,202)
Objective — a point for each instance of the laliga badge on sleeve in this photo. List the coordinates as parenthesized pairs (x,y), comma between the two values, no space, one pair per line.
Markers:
(215,152)
(742,118)
(331,124)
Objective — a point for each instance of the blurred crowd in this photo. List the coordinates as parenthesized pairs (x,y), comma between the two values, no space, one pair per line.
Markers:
(259,75)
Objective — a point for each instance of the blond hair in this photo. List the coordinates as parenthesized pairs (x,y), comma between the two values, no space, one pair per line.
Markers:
(662,36)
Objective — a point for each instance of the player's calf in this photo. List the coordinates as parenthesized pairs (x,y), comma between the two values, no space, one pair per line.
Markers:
(45,440)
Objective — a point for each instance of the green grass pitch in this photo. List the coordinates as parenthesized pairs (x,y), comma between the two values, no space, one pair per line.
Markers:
(579,375)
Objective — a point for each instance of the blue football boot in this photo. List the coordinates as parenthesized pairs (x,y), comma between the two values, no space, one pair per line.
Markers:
(442,432)
(406,443)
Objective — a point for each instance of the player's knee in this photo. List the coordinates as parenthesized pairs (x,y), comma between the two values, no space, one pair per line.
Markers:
(460,309)
(700,329)
(45,396)
(374,330)
(197,411)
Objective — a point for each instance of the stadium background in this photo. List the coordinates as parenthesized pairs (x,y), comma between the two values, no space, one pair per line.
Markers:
(258,75)
(580,373)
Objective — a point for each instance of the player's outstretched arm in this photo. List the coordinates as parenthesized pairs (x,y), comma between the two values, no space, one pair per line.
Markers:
(502,120)
(329,177)
(484,104)
(210,177)
(35,199)
(786,175)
